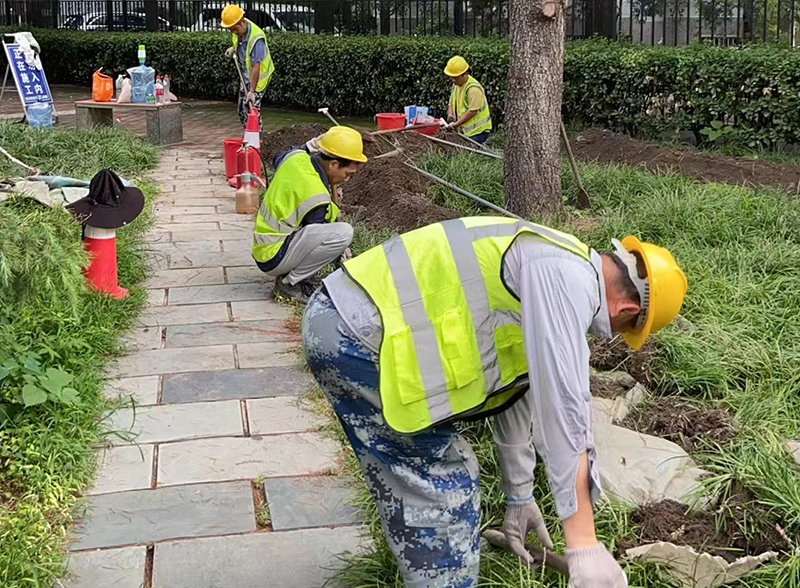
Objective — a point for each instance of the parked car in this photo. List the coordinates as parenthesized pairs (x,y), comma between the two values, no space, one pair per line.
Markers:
(99,22)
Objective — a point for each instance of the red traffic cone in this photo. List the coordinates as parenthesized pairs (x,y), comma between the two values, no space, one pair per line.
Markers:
(101,244)
(252,136)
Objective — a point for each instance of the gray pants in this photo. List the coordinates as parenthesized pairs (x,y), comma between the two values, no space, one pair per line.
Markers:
(312,248)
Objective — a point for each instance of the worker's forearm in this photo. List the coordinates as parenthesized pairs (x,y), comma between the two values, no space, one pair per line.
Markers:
(579,529)
(254,76)
(469,115)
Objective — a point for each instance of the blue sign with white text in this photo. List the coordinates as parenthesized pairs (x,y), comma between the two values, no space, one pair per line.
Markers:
(31,82)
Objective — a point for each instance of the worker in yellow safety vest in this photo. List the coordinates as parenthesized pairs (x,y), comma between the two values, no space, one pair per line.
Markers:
(468,110)
(295,233)
(467,319)
(249,45)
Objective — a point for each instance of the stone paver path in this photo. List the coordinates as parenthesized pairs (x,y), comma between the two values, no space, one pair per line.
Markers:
(217,426)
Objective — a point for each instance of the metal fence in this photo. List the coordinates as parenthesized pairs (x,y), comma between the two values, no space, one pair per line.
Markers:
(652,22)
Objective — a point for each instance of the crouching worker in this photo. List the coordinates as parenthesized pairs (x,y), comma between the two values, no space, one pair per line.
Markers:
(466,319)
(296,234)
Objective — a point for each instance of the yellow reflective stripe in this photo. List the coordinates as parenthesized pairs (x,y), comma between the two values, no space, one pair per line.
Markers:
(476,295)
(264,239)
(466,128)
(306,206)
(422,331)
(293,220)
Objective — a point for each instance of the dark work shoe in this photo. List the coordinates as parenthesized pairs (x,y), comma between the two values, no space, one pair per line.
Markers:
(300,291)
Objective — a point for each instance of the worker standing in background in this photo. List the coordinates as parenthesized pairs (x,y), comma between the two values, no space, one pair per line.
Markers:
(468,110)
(466,319)
(295,233)
(252,58)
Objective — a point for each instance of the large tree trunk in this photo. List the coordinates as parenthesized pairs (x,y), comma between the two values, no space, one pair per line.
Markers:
(533,108)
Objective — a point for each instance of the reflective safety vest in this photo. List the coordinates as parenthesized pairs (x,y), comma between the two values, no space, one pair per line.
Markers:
(267,67)
(482,121)
(452,342)
(295,190)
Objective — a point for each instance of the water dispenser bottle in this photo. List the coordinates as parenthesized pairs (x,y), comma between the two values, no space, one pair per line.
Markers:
(142,81)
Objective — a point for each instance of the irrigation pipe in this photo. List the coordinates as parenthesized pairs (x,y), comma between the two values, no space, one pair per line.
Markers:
(464,147)
(458,190)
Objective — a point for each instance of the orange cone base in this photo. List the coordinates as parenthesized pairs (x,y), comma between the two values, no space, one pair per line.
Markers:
(101,275)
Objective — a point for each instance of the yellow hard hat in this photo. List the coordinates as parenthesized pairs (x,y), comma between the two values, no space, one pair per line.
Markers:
(343,142)
(663,293)
(456,66)
(231,15)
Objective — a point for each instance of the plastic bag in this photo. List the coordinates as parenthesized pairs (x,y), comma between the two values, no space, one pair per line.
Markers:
(125,92)
(102,87)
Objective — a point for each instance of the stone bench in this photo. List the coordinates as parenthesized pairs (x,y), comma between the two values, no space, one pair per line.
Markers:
(164,121)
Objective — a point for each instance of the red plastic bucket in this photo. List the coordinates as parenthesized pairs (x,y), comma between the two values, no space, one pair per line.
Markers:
(229,149)
(428,130)
(253,161)
(390,120)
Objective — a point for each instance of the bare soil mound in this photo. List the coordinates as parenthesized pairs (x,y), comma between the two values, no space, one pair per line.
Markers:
(382,194)
(684,424)
(608,147)
(667,520)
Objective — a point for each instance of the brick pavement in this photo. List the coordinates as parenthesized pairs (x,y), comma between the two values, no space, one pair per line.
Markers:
(218,425)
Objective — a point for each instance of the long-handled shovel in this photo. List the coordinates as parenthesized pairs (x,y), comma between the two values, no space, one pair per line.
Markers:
(582,200)
(541,556)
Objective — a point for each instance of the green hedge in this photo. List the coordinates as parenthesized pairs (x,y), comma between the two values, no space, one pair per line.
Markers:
(639,90)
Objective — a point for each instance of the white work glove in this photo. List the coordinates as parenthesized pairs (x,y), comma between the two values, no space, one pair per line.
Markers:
(229,52)
(594,567)
(251,98)
(522,517)
(346,254)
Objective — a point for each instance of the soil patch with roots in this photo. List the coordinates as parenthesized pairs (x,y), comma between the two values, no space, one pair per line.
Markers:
(726,537)
(608,147)
(382,194)
(614,354)
(682,423)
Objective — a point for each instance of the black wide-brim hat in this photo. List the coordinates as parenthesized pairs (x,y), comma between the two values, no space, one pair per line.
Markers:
(110,204)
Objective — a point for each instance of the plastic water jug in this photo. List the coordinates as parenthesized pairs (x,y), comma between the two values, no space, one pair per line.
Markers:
(142,83)
(40,115)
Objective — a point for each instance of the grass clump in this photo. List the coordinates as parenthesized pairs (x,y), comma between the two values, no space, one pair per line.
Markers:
(51,322)
(738,349)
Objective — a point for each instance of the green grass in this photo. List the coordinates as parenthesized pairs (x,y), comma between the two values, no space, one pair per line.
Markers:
(45,454)
(740,249)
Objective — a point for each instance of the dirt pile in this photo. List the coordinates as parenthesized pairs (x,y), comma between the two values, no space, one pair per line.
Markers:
(667,520)
(680,422)
(614,354)
(382,194)
(610,384)
(608,147)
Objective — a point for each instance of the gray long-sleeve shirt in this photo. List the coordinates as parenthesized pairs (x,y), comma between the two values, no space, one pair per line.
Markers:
(562,298)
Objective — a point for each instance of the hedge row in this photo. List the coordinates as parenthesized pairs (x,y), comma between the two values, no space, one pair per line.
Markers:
(639,90)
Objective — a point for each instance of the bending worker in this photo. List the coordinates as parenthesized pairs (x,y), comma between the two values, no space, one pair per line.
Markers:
(468,110)
(252,58)
(295,234)
(470,318)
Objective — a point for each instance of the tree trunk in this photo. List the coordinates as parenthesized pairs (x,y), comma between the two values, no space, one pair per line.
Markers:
(532,172)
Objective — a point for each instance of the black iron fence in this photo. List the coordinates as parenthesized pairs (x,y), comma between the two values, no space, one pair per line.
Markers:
(652,22)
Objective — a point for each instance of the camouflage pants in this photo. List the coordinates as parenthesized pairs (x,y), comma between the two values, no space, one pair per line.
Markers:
(425,485)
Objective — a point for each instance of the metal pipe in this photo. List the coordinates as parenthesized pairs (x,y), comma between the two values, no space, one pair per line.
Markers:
(458,190)
(464,147)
